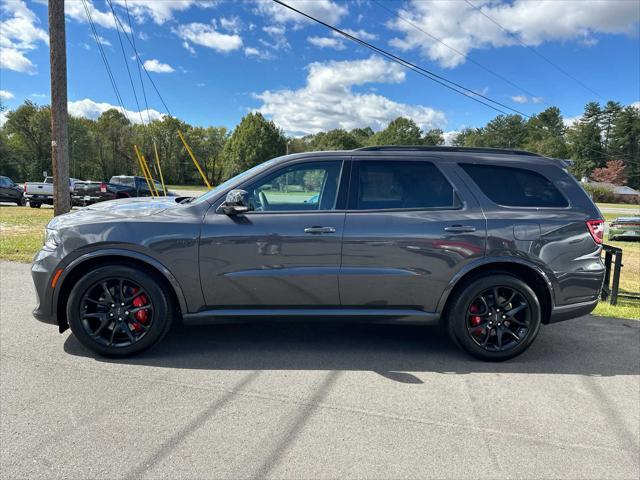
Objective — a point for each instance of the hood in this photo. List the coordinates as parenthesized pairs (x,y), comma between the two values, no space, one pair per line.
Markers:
(114,210)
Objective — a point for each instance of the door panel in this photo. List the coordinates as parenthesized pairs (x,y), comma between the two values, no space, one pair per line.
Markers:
(286,252)
(406,258)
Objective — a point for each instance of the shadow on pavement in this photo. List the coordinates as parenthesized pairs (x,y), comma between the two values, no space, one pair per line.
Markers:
(586,346)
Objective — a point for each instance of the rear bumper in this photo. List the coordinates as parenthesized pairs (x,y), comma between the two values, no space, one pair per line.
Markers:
(574,310)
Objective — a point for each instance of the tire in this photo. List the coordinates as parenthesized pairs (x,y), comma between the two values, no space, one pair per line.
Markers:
(87,311)
(34,204)
(21,202)
(470,325)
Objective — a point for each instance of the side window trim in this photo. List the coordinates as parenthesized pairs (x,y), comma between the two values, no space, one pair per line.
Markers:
(459,203)
(343,165)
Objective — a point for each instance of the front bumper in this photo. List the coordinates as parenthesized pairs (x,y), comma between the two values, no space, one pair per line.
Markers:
(44,266)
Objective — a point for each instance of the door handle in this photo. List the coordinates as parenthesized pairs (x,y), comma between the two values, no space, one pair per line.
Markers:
(317,230)
(460,229)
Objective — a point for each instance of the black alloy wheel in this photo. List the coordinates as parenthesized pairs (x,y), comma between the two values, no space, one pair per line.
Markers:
(117,310)
(494,316)
(498,319)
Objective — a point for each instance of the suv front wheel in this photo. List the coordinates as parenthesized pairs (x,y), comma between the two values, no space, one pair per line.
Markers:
(118,311)
(494,317)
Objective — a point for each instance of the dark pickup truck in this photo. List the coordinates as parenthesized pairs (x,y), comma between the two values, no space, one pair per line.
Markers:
(121,186)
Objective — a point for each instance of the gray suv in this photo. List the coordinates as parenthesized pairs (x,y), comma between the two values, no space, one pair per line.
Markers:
(491,244)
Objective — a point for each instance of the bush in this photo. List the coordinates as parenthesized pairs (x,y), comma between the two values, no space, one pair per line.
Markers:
(599,193)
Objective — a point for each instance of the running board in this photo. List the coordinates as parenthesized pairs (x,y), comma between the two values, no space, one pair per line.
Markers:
(369,315)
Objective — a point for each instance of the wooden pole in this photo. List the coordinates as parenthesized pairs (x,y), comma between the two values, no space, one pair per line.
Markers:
(59,116)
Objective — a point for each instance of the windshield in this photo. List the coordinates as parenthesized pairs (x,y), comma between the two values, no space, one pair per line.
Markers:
(235,180)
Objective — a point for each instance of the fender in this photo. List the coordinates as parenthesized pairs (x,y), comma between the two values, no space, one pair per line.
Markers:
(548,278)
(123,252)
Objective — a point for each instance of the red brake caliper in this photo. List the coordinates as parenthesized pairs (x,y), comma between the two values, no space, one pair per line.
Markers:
(142,316)
(475,319)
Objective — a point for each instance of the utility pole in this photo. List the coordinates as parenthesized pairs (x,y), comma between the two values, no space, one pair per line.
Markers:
(59,117)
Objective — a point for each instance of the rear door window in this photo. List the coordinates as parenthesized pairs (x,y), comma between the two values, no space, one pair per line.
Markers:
(515,187)
(380,185)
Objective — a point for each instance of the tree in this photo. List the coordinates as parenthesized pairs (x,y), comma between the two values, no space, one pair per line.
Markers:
(433,137)
(505,131)
(337,139)
(112,133)
(612,173)
(585,140)
(29,127)
(253,141)
(625,142)
(545,134)
(401,131)
(469,137)
(608,118)
(362,135)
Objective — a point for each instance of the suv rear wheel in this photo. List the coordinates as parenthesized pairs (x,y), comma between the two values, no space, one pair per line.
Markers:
(494,317)
(118,311)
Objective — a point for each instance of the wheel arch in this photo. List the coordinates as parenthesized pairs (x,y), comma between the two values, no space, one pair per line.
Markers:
(86,262)
(533,275)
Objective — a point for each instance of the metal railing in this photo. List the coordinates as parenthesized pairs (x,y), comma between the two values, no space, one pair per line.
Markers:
(612,261)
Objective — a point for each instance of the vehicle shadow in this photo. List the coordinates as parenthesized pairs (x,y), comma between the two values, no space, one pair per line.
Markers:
(586,346)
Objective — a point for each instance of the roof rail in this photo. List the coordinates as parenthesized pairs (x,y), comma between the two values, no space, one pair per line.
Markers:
(439,148)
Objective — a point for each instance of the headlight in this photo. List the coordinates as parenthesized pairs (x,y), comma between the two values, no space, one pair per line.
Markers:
(51,239)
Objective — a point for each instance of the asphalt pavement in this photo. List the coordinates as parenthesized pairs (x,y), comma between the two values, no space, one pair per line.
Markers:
(315,400)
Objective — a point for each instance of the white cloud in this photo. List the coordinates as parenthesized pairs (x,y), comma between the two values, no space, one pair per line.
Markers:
(278,38)
(88,108)
(325,10)
(571,121)
(154,65)
(232,24)
(6,95)
(19,34)
(207,36)
(3,117)
(161,11)
(520,98)
(450,136)
(327,101)
(537,99)
(102,40)
(465,28)
(636,105)
(361,34)
(257,53)
(76,11)
(327,42)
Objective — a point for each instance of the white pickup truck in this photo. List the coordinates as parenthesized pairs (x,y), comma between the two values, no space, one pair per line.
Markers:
(39,193)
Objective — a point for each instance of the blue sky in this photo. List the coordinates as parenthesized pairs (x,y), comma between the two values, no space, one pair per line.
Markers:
(215,61)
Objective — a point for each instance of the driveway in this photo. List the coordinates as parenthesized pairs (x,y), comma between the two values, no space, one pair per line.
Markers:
(315,401)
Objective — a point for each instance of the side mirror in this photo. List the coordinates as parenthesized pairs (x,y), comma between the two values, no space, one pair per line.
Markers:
(237,201)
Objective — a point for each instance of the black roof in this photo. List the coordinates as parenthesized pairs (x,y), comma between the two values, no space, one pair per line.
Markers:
(440,148)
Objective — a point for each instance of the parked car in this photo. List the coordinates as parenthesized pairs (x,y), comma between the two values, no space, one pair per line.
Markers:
(625,228)
(38,193)
(11,192)
(490,243)
(137,186)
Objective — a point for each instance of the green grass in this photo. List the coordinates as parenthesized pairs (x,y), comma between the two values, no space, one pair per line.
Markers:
(626,206)
(199,188)
(21,231)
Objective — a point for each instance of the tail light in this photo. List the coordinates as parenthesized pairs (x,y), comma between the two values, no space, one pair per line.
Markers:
(596,229)
(103,187)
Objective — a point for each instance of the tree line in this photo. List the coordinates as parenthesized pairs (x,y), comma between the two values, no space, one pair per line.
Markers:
(103,147)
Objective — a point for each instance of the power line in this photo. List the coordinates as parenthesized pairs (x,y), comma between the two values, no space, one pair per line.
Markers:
(135,50)
(534,50)
(140,60)
(126,64)
(105,61)
(463,55)
(416,68)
